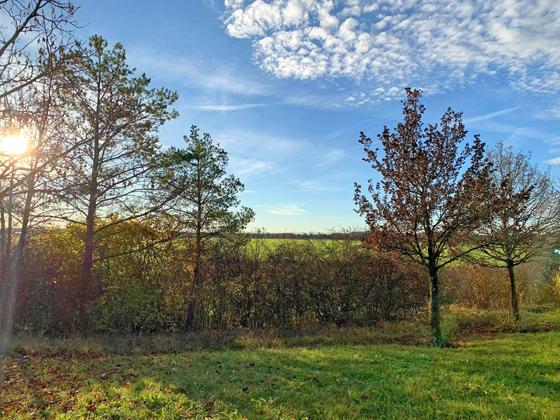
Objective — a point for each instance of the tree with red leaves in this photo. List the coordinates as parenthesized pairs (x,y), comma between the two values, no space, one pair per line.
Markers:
(431,194)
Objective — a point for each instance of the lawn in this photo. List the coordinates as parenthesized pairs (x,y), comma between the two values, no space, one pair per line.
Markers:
(501,375)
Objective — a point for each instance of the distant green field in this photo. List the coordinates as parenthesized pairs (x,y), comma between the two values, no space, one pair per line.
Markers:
(273,243)
(505,375)
(270,244)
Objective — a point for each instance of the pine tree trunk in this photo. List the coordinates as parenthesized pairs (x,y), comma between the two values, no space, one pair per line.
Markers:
(87,258)
(84,291)
(86,276)
(193,307)
(194,302)
(514,299)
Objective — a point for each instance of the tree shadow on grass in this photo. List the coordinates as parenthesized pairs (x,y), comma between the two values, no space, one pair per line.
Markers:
(513,377)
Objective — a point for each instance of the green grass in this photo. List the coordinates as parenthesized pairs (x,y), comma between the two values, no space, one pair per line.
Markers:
(500,375)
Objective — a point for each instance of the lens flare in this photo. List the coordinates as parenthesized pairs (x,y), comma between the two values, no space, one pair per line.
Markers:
(14,144)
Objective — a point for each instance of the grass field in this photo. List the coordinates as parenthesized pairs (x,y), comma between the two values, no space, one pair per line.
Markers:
(273,243)
(488,373)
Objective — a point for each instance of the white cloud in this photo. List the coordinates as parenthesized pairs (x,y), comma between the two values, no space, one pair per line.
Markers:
(313,186)
(225,80)
(527,132)
(227,107)
(314,101)
(551,113)
(553,140)
(391,44)
(331,157)
(244,167)
(254,152)
(197,73)
(554,161)
(261,144)
(491,115)
(286,210)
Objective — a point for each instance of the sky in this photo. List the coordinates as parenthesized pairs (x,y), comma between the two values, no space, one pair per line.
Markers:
(286,86)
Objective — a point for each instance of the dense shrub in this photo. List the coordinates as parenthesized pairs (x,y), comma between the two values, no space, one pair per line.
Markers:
(247,284)
(256,283)
(48,284)
(134,308)
(295,283)
(488,287)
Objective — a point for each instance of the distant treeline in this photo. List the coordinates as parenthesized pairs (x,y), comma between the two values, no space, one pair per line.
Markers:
(353,235)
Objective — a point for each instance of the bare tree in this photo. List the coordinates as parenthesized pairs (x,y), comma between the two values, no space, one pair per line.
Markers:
(525,218)
(429,197)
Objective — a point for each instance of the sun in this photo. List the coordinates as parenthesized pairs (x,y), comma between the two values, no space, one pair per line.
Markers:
(14,144)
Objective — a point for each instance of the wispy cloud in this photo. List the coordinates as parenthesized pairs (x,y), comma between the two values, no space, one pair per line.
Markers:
(551,113)
(312,186)
(212,5)
(554,140)
(554,161)
(198,73)
(244,167)
(516,131)
(221,78)
(331,157)
(261,144)
(314,101)
(227,107)
(491,115)
(286,210)
(256,152)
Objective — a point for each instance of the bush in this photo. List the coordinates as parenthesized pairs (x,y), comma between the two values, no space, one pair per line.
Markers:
(256,284)
(488,287)
(297,283)
(134,308)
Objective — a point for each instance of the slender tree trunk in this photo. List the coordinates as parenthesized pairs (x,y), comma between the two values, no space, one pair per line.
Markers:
(9,227)
(84,291)
(514,299)
(193,307)
(86,276)
(2,241)
(194,301)
(435,308)
(8,289)
(7,293)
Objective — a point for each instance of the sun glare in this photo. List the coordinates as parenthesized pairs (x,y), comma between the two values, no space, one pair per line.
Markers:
(14,144)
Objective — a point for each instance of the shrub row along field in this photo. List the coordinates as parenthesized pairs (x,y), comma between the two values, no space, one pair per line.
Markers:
(338,373)
(262,283)
(249,285)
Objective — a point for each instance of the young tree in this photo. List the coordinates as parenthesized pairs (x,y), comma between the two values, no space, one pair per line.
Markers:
(525,215)
(429,197)
(114,116)
(207,206)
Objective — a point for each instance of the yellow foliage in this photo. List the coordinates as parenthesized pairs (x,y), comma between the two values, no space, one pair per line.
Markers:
(556,284)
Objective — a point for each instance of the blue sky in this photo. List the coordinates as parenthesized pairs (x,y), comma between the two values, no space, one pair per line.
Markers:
(287,85)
